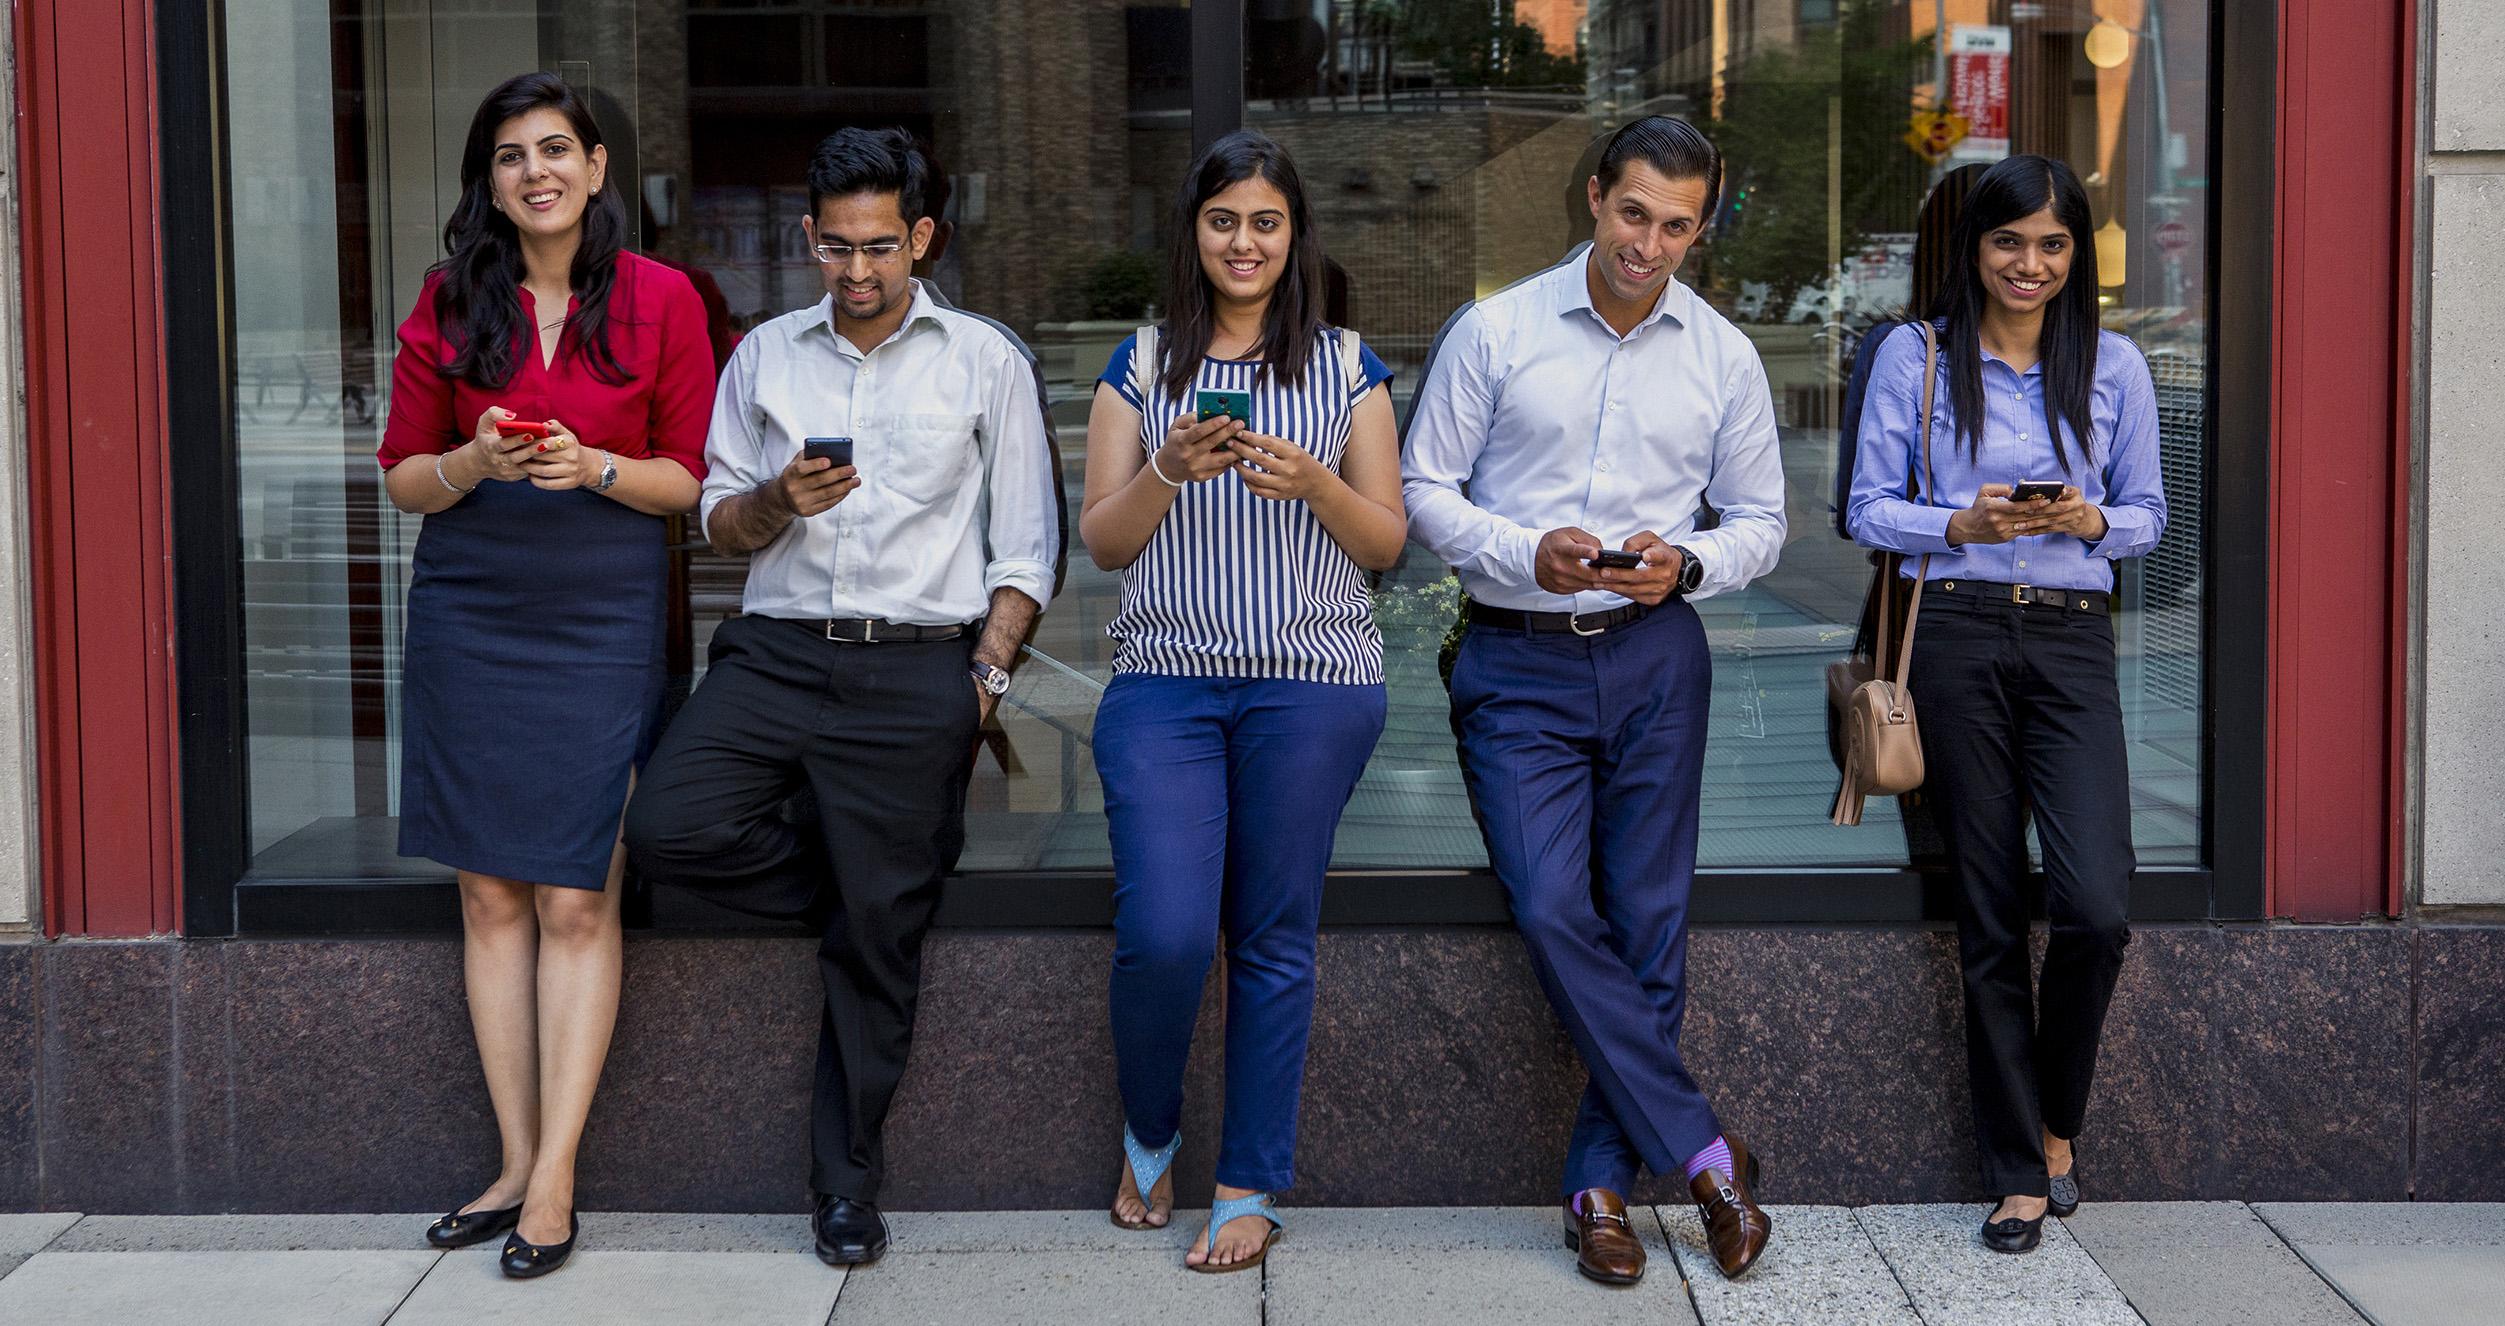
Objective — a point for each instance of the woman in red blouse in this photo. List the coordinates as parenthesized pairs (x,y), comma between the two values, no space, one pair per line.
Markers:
(548,409)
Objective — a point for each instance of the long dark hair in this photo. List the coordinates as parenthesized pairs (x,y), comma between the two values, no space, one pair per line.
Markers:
(1293,321)
(2019,187)
(477,299)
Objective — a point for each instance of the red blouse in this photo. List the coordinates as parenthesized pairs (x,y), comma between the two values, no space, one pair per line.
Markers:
(657,331)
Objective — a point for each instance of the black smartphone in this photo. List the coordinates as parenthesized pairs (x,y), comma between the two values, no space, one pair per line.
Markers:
(836,449)
(2039,490)
(1618,559)
(1236,405)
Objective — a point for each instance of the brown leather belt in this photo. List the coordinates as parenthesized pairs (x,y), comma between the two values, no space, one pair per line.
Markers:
(1553,623)
(1993,591)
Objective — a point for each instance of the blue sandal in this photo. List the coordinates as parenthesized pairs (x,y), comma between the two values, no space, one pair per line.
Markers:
(1147,1167)
(1234,1208)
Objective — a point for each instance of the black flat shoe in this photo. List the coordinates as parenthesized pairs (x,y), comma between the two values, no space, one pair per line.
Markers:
(525,1260)
(2064,1201)
(849,1233)
(464,1228)
(2013,1234)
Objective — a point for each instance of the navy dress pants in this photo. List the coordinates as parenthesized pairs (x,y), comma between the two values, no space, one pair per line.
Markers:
(1584,758)
(1222,795)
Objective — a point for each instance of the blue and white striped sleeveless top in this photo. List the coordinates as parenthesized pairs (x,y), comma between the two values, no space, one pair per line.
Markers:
(1237,585)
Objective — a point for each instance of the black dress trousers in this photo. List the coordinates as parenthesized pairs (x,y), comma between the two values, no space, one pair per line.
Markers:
(881,737)
(2019,709)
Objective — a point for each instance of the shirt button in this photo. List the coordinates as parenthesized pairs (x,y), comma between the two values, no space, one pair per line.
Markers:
(1613,407)
(2022,437)
(2022,566)
(1604,465)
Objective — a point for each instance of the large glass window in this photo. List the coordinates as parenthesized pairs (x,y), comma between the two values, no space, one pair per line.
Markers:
(1445,143)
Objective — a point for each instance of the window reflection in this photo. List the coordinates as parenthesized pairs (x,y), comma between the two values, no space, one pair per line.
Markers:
(1446,142)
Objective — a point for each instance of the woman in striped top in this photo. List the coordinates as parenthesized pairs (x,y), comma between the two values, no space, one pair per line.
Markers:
(1248,686)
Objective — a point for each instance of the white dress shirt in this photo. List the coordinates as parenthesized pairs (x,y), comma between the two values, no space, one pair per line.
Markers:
(1535,415)
(956,495)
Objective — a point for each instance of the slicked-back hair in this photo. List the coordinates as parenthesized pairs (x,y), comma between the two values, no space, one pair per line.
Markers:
(1668,144)
(1293,321)
(2015,188)
(850,161)
(478,299)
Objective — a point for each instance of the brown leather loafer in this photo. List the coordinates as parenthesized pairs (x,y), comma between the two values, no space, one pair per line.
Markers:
(1605,1245)
(1735,1230)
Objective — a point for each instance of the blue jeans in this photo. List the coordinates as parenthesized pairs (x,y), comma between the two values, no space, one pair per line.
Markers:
(1584,758)
(1223,796)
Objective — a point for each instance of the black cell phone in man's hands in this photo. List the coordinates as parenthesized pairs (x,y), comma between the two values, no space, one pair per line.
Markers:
(1618,559)
(2039,490)
(1236,405)
(836,449)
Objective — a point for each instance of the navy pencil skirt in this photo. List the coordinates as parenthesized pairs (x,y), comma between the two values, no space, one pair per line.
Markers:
(532,680)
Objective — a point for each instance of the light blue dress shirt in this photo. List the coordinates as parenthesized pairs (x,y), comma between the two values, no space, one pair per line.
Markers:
(2016,447)
(1536,415)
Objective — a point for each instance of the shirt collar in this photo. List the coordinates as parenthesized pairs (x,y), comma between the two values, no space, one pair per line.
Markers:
(2034,370)
(924,308)
(1574,295)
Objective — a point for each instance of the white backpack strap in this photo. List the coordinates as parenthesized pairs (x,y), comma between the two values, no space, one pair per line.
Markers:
(1351,358)
(1144,363)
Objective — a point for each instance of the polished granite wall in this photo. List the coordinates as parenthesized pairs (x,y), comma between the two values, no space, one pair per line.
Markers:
(2256,1063)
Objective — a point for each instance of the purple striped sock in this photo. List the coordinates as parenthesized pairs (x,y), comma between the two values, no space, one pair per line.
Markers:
(1717,1156)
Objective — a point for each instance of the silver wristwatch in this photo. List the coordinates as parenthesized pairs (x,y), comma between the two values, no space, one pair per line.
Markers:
(993,680)
(608,472)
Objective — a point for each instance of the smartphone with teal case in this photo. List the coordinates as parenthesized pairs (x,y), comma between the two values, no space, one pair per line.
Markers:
(1236,405)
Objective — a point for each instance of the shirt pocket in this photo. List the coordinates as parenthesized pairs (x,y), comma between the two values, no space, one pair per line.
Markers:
(924,457)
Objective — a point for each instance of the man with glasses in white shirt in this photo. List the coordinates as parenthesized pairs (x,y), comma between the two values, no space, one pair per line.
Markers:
(887,595)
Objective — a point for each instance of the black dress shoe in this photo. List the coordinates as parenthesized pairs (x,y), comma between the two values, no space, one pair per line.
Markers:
(849,1233)
(2013,1234)
(463,1228)
(525,1260)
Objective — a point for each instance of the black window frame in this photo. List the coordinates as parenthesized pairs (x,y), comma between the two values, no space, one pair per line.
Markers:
(221,898)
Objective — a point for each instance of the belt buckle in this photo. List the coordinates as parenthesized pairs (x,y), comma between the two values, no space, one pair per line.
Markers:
(2018,593)
(1574,623)
(869,633)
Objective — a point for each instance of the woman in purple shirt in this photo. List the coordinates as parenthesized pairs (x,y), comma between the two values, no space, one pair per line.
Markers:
(2044,474)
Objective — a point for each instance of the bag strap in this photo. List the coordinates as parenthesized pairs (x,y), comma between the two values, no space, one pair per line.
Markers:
(1352,363)
(1922,570)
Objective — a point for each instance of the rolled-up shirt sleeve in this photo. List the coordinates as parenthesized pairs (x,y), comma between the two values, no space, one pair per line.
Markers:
(1745,487)
(734,459)
(1890,447)
(2135,490)
(1022,529)
(1448,429)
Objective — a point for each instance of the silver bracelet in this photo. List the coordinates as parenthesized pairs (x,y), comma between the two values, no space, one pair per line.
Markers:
(1159,471)
(439,478)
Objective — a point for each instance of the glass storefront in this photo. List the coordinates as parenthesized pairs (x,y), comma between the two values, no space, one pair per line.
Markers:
(1444,143)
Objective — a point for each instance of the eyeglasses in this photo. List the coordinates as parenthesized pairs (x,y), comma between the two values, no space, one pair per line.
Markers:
(835,255)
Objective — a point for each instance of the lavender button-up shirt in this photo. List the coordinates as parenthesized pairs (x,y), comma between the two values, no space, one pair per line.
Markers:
(2016,446)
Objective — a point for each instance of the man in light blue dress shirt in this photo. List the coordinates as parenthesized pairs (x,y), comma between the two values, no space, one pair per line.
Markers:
(1561,446)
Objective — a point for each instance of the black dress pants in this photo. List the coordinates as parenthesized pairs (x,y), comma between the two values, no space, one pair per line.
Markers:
(881,737)
(2018,707)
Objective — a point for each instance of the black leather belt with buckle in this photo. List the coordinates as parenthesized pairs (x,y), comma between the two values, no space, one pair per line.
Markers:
(877,631)
(1553,623)
(1993,591)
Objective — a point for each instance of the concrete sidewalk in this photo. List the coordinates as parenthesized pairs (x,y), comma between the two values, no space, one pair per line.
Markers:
(2197,1264)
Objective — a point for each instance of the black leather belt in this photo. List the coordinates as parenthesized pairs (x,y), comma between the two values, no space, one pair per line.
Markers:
(1992,591)
(878,631)
(1553,623)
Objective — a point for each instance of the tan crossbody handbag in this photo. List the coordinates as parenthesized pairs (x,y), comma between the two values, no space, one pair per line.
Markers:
(1874,705)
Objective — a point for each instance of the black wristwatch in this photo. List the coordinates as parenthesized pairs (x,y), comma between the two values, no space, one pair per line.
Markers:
(1691,571)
